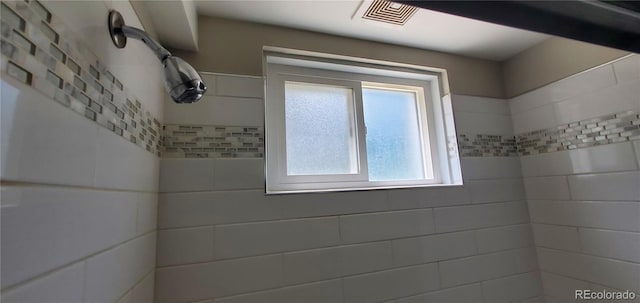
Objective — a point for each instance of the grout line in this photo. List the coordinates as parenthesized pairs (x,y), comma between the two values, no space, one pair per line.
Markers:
(74,262)
(5,182)
(582,253)
(581,280)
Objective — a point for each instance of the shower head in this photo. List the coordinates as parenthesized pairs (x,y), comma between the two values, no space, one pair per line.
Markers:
(181,80)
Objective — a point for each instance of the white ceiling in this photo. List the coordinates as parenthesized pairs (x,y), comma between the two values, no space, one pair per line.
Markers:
(426,29)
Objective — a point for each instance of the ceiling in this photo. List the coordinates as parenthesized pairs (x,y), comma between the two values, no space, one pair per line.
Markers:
(426,29)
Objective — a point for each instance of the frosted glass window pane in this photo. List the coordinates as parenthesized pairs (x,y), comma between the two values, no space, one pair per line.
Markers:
(394,149)
(320,129)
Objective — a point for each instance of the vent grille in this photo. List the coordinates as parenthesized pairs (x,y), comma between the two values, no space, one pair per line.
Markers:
(389,12)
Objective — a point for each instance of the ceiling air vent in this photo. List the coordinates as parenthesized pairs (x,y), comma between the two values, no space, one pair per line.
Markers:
(388,12)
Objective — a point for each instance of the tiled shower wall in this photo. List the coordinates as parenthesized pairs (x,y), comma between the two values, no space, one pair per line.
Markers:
(584,202)
(221,239)
(79,195)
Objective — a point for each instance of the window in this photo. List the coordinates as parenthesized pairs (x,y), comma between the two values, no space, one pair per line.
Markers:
(336,124)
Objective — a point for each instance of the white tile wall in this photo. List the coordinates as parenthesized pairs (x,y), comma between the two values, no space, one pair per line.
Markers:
(463,294)
(64,285)
(385,285)
(584,202)
(547,188)
(610,186)
(365,246)
(477,268)
(513,288)
(387,225)
(78,222)
(327,263)
(237,240)
(326,291)
(433,248)
(185,245)
(223,278)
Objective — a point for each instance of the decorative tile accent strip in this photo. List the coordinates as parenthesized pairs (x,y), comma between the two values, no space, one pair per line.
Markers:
(208,141)
(602,130)
(487,146)
(40,51)
(609,129)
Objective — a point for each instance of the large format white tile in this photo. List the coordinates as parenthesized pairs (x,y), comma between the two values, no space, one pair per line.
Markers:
(147,214)
(216,110)
(230,174)
(498,190)
(209,208)
(474,168)
(64,285)
(547,164)
(42,141)
(526,259)
(110,274)
(185,175)
(557,237)
(612,244)
(609,186)
(476,268)
(474,104)
(627,69)
(471,293)
(320,292)
(387,225)
(239,86)
(621,97)
(534,119)
(337,203)
(122,165)
(223,278)
(547,188)
(483,123)
(432,248)
(603,271)
(605,158)
(390,284)
(481,215)
(512,288)
(185,245)
(326,263)
(236,240)
(44,228)
(561,287)
(504,237)
(408,198)
(142,292)
(583,83)
(608,214)
(530,100)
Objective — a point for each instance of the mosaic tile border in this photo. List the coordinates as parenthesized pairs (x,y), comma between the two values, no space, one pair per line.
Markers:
(40,51)
(607,129)
(210,141)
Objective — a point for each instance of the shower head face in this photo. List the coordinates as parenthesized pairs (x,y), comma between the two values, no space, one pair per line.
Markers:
(183,83)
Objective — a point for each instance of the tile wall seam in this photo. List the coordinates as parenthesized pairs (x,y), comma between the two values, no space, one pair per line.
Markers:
(136,284)
(578,279)
(582,253)
(74,262)
(438,233)
(529,246)
(28,184)
(588,227)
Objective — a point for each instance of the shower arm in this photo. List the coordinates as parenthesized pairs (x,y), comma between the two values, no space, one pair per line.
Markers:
(120,31)
(135,33)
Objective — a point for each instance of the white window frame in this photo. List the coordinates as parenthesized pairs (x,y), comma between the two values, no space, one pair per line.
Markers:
(441,166)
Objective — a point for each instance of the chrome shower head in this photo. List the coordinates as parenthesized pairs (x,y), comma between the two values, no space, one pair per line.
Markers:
(181,80)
